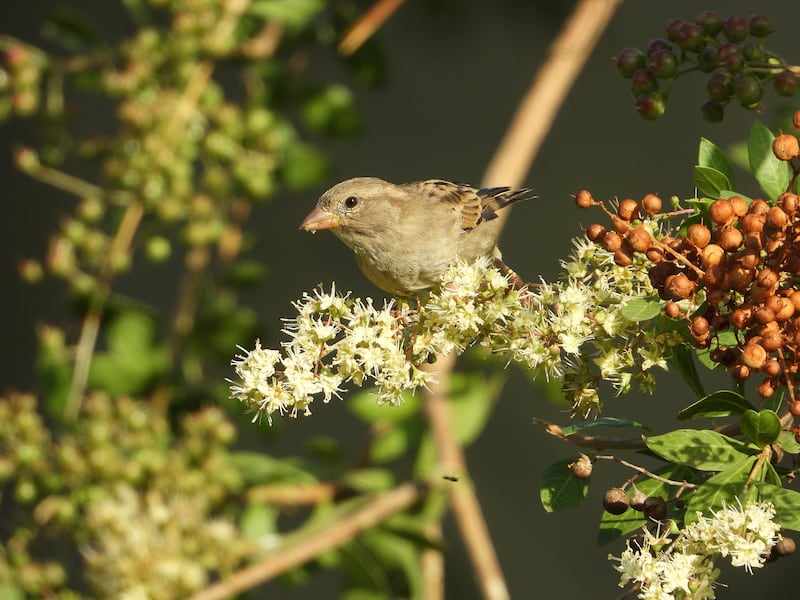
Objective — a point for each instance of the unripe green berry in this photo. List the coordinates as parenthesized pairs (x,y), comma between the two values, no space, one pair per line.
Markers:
(650,105)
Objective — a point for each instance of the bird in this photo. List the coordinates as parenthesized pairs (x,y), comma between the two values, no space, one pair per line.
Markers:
(405,236)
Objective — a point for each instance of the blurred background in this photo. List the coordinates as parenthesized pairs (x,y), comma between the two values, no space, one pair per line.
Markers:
(456,72)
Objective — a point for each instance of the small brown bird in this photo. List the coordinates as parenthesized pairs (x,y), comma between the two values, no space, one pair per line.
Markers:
(405,236)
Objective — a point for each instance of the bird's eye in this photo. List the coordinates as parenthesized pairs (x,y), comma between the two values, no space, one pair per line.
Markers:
(350,202)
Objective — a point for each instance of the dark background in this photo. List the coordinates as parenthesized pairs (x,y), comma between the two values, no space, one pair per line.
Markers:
(455,78)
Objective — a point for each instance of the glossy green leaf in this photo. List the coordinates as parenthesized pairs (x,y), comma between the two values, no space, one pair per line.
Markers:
(613,527)
(785,501)
(304,165)
(699,448)
(710,181)
(788,442)
(722,403)
(560,489)
(641,309)
(762,428)
(600,422)
(773,175)
(725,486)
(682,358)
(710,155)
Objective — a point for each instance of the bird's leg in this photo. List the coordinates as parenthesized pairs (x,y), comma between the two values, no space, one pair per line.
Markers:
(515,280)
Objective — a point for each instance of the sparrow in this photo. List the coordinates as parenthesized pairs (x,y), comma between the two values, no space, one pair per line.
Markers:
(405,236)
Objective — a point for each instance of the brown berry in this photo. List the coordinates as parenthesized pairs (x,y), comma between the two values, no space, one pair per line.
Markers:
(638,500)
(740,372)
(712,254)
(655,508)
(777,218)
(672,310)
(753,223)
(616,501)
(785,147)
(654,254)
(721,211)
(754,356)
(766,389)
(612,241)
(595,232)
(785,312)
(794,408)
(789,202)
(628,209)
(772,367)
(740,318)
(699,326)
(623,257)
(758,207)
(581,468)
(698,235)
(639,239)
(651,204)
(771,341)
(584,199)
(738,277)
(679,287)
(739,205)
(784,546)
(730,239)
(767,278)
(796,119)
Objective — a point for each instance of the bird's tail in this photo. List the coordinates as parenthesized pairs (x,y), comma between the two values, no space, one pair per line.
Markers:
(494,199)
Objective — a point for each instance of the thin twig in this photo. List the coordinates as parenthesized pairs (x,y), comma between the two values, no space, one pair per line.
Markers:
(120,246)
(367,25)
(464,503)
(643,471)
(306,547)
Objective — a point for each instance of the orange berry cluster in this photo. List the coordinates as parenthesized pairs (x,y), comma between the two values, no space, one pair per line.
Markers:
(745,263)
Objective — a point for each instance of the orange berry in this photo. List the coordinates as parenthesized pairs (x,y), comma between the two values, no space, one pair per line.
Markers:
(721,211)
(785,147)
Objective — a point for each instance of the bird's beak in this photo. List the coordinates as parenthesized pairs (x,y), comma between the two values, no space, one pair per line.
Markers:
(319,219)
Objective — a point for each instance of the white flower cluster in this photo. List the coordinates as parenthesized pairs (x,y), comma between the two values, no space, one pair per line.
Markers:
(670,569)
(572,331)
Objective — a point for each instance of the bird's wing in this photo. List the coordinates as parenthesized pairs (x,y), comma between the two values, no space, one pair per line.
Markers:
(474,205)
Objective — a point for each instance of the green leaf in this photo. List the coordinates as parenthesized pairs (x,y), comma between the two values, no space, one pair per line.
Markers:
(10,591)
(710,155)
(389,445)
(788,441)
(710,182)
(332,110)
(304,165)
(365,406)
(133,360)
(642,309)
(368,480)
(773,175)
(560,489)
(615,526)
(762,428)
(725,486)
(698,448)
(257,520)
(682,358)
(295,13)
(722,403)
(785,503)
(71,28)
(602,421)
(256,468)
